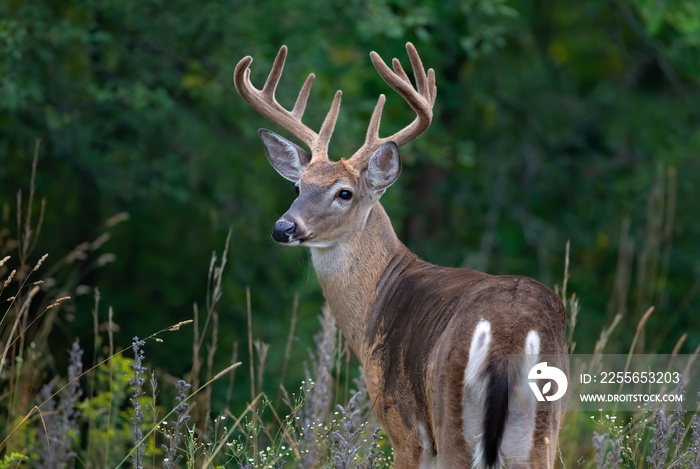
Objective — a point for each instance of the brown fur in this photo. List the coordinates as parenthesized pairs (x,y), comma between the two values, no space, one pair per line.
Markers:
(411,323)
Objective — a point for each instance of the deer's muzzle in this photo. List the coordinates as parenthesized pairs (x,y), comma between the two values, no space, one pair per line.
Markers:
(284,231)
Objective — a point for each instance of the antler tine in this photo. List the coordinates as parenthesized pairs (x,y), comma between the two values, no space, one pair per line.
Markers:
(421,99)
(432,89)
(324,136)
(300,105)
(418,70)
(373,128)
(273,78)
(265,103)
(398,69)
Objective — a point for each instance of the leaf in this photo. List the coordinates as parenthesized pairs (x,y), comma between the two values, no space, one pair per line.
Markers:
(546,388)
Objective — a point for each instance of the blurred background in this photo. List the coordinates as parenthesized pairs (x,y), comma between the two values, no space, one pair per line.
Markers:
(555,122)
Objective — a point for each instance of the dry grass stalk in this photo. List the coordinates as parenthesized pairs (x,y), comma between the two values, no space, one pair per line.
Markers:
(288,347)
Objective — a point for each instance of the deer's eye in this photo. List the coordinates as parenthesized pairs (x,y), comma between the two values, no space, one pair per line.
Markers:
(345,194)
(296,189)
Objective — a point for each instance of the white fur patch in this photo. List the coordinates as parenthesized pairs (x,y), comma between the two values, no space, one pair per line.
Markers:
(474,392)
(426,457)
(520,426)
(532,343)
(478,352)
(327,258)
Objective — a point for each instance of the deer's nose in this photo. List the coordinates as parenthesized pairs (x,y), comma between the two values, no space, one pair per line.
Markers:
(283,231)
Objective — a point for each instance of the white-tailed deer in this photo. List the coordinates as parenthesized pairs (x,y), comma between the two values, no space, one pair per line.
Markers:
(434,341)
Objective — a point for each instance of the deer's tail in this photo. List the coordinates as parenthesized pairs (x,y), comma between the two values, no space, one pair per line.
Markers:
(493,434)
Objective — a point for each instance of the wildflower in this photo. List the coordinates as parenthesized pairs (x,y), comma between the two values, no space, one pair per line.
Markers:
(174,437)
(136,382)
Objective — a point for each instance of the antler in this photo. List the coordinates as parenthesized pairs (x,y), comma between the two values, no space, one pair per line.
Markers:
(265,103)
(421,99)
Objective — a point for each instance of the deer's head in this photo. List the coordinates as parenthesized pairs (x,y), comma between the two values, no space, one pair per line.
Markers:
(334,197)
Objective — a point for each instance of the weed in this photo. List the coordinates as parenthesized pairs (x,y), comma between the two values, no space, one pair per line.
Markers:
(101,417)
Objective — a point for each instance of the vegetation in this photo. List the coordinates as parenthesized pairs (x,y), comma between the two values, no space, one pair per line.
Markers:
(104,416)
(555,122)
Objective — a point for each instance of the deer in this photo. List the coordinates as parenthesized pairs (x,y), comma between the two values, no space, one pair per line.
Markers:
(433,341)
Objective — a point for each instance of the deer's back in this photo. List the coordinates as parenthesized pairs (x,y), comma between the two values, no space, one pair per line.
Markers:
(423,320)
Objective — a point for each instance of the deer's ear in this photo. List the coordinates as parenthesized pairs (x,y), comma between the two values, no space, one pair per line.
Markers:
(384,167)
(288,158)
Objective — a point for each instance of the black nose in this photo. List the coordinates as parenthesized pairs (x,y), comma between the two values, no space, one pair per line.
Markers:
(283,231)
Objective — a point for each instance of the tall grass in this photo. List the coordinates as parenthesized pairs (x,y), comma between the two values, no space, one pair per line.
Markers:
(106,411)
(110,414)
(633,439)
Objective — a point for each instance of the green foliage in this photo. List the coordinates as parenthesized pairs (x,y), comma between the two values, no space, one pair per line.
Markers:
(551,122)
(311,434)
(12,460)
(107,414)
(554,122)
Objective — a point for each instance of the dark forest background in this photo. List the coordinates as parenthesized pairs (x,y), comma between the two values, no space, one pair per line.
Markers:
(554,122)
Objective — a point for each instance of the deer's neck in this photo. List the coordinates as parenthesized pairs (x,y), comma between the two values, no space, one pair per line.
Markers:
(349,272)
